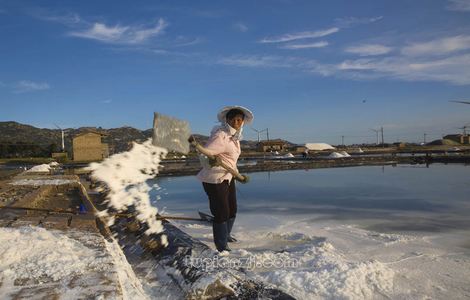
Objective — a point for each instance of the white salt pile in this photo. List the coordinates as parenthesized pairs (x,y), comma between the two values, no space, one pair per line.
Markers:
(288,155)
(340,154)
(64,263)
(44,168)
(54,164)
(319,146)
(335,155)
(308,266)
(323,273)
(33,253)
(126,176)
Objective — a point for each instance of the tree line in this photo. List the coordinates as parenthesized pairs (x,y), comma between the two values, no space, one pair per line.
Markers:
(21,149)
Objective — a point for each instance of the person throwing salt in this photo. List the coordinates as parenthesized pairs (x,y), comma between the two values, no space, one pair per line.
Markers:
(218,182)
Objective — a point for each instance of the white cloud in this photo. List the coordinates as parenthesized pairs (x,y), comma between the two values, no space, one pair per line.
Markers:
(438,46)
(350,21)
(144,34)
(102,33)
(160,51)
(300,35)
(368,49)
(256,61)
(65,18)
(121,34)
(455,69)
(240,27)
(107,101)
(359,64)
(25,86)
(305,46)
(459,5)
(182,41)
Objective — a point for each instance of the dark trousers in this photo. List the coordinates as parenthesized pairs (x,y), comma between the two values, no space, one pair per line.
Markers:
(222,200)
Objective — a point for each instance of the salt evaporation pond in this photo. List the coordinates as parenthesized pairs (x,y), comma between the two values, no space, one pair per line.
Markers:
(360,232)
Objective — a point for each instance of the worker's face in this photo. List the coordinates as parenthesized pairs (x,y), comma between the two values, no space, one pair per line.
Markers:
(236,122)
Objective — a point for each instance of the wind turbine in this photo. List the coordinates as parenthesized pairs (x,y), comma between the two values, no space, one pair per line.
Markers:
(62,131)
(377,133)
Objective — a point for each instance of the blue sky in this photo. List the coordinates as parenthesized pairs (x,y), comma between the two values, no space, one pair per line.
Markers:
(311,71)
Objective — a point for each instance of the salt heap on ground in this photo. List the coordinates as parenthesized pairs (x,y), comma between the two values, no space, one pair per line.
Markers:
(44,168)
(340,154)
(36,263)
(335,155)
(318,146)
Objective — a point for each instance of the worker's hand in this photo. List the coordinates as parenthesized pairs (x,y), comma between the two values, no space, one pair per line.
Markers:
(245,179)
(214,162)
(192,140)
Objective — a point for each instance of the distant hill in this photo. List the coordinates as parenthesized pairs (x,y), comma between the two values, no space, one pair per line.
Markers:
(13,132)
(119,139)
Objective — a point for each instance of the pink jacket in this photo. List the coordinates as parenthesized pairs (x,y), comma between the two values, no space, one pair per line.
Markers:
(222,144)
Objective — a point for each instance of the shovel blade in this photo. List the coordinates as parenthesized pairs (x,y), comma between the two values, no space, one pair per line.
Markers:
(171,133)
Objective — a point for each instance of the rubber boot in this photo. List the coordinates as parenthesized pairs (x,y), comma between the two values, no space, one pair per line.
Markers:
(220,233)
(230,238)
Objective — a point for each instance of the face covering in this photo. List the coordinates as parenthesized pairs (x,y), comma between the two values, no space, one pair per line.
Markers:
(236,134)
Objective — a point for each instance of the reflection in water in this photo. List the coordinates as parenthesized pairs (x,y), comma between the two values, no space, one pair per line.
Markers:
(385,198)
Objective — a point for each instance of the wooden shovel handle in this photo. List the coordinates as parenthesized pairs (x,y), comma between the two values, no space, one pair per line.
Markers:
(159,217)
(219,162)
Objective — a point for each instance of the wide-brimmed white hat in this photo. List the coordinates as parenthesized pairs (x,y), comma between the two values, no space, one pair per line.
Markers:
(222,115)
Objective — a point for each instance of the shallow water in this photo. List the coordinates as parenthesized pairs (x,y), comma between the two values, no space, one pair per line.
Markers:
(388,199)
(359,233)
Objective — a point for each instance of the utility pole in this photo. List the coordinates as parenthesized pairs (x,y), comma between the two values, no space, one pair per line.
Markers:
(424,140)
(383,144)
(260,131)
(342,140)
(464,129)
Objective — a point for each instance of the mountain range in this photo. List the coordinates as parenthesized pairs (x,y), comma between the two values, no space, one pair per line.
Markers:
(120,139)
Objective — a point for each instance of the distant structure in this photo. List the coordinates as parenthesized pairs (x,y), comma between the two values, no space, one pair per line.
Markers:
(300,149)
(88,146)
(272,145)
(59,156)
(459,138)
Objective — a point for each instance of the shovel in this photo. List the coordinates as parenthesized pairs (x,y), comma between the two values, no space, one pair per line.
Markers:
(117,215)
(173,134)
